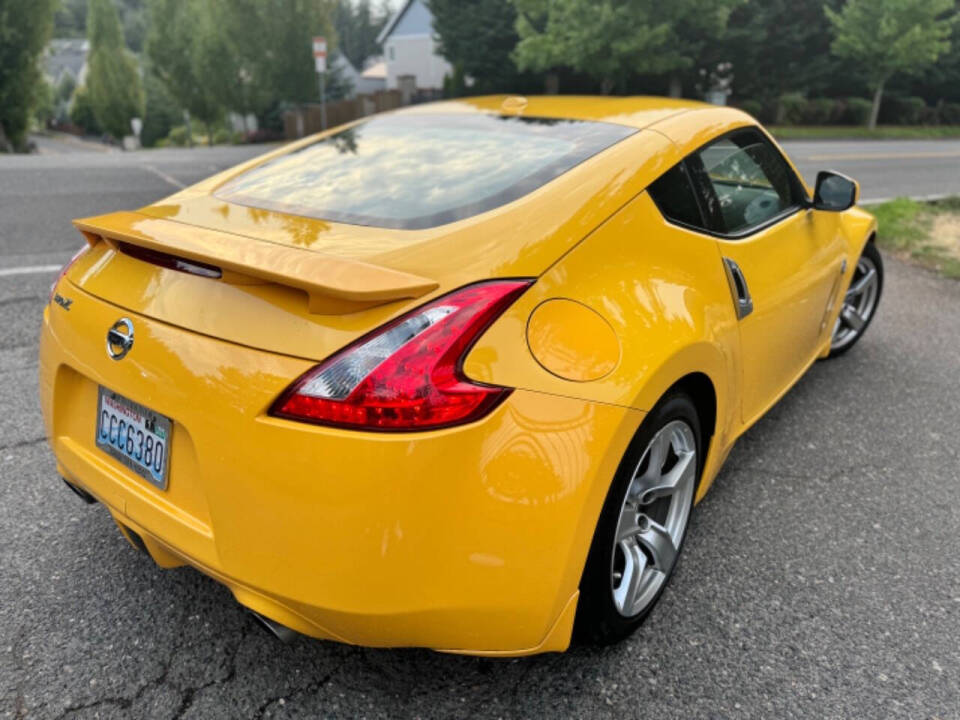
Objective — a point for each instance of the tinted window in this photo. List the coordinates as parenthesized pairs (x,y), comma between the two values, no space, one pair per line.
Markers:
(418,171)
(673,194)
(751,182)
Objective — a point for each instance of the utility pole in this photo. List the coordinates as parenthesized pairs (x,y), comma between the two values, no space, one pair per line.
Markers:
(320,62)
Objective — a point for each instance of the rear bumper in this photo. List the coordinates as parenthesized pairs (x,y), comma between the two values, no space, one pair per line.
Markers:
(470,539)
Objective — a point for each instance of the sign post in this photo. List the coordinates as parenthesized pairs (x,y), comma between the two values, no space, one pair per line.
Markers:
(320,62)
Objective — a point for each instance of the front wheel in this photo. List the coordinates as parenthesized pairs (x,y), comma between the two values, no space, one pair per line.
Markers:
(860,302)
(642,525)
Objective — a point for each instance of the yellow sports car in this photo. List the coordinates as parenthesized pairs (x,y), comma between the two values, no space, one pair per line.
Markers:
(452,376)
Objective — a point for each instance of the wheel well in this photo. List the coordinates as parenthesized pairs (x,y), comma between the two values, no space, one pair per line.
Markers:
(700,389)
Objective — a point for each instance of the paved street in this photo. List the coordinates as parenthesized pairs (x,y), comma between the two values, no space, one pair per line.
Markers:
(821,577)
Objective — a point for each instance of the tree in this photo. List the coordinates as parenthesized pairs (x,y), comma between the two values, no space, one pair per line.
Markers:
(113,79)
(272,48)
(357,26)
(191,58)
(477,37)
(885,37)
(612,40)
(24,29)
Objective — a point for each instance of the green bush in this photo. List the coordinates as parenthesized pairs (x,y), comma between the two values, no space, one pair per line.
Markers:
(949,113)
(818,111)
(790,109)
(902,110)
(161,112)
(178,136)
(751,107)
(222,136)
(81,112)
(853,111)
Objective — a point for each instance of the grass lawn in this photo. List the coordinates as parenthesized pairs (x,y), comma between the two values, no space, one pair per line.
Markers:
(847,132)
(926,232)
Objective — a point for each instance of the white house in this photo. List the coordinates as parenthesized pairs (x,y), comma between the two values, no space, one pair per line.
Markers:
(410,51)
(66,57)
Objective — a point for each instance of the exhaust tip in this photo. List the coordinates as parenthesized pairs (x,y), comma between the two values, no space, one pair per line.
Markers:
(80,492)
(280,632)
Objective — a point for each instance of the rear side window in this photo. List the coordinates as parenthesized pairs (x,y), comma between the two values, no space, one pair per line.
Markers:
(673,193)
(750,180)
(418,171)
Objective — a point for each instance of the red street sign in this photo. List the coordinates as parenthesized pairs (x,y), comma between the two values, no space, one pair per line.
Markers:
(320,53)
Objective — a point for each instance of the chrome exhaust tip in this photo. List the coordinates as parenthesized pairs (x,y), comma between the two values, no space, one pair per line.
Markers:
(80,492)
(280,632)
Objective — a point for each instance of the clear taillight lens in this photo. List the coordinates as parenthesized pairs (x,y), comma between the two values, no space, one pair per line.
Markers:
(63,271)
(407,375)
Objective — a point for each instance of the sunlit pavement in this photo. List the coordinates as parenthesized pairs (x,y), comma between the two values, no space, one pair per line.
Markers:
(821,577)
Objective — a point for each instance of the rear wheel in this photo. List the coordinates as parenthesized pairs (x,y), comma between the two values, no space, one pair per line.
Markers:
(860,302)
(642,525)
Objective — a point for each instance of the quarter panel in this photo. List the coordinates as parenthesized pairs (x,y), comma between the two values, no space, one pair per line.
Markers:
(663,291)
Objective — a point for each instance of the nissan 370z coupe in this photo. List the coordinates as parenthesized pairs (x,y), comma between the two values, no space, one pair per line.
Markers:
(452,376)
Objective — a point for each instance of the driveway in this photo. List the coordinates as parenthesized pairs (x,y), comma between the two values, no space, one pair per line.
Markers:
(821,577)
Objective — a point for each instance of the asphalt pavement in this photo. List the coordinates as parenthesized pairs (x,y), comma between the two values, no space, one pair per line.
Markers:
(821,577)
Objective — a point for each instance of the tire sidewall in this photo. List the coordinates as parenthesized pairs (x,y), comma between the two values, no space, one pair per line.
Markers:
(871,251)
(598,621)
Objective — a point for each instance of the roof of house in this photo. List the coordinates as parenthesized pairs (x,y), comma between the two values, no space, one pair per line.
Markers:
(377,71)
(388,28)
(65,55)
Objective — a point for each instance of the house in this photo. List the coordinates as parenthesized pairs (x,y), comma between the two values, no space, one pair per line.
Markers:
(410,50)
(360,83)
(374,77)
(66,56)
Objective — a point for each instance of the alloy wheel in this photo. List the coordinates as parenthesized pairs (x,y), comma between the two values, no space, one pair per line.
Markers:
(858,304)
(653,518)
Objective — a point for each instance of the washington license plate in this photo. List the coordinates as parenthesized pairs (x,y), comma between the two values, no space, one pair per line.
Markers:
(135,435)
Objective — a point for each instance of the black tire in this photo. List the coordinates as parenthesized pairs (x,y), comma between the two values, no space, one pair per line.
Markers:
(872,254)
(598,622)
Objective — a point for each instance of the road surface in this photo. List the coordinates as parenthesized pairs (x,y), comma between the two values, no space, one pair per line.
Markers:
(821,577)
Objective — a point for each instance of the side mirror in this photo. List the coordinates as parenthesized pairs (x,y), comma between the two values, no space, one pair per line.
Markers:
(835,192)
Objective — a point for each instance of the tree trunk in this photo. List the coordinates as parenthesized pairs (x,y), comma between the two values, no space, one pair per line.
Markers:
(186,121)
(676,86)
(209,134)
(877,99)
(606,86)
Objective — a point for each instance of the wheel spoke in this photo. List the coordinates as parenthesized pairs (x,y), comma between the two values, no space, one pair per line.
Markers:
(651,488)
(635,562)
(869,278)
(852,319)
(656,539)
(627,528)
(658,453)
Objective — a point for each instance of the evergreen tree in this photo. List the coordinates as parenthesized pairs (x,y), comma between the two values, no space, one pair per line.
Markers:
(113,79)
(24,29)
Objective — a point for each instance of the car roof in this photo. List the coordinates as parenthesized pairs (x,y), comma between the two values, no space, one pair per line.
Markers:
(637,111)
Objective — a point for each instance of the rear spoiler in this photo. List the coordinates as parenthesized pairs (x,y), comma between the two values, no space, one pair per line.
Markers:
(333,285)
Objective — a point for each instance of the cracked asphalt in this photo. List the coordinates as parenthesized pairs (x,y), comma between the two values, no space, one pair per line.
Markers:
(821,577)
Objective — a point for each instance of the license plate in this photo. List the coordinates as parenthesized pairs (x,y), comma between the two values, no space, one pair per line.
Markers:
(135,435)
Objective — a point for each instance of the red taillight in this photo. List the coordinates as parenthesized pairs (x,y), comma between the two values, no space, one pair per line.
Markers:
(64,270)
(407,375)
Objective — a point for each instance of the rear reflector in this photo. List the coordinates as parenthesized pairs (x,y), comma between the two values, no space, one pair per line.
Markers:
(63,271)
(407,375)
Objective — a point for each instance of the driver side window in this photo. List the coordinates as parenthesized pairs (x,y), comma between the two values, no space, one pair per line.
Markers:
(747,182)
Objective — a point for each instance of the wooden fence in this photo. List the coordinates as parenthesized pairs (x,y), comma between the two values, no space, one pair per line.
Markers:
(307,119)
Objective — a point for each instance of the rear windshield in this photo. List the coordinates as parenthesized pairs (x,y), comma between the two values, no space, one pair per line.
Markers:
(419,171)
